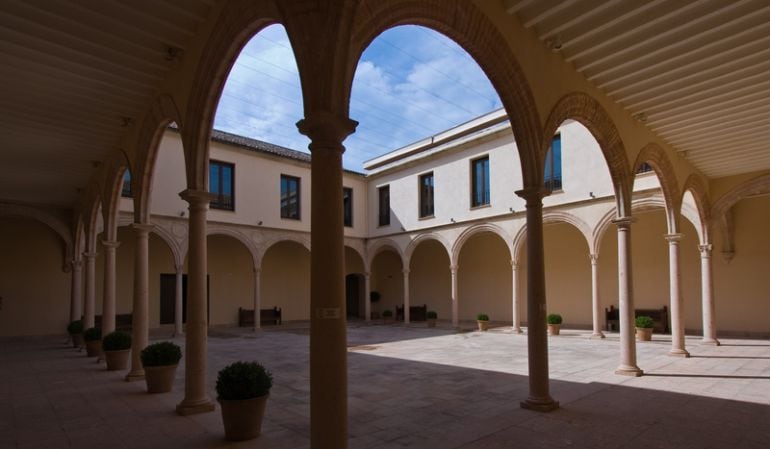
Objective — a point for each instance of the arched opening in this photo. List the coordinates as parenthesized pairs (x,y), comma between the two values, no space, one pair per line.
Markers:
(484,278)
(430,279)
(388,280)
(230,279)
(355,284)
(286,280)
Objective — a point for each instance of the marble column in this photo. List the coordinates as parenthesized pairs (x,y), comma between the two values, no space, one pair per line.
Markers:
(707,297)
(367,296)
(405,271)
(178,301)
(537,339)
(455,305)
(108,300)
(89,302)
(596,305)
(675,292)
(257,297)
(76,290)
(140,313)
(516,329)
(627,365)
(196,399)
(328,332)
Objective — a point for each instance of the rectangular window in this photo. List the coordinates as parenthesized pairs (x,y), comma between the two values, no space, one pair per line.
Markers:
(222,184)
(384,213)
(426,195)
(553,165)
(289,197)
(347,206)
(480,182)
(126,190)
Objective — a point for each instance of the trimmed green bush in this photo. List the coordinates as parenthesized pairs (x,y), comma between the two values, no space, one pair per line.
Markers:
(482,317)
(75,327)
(162,353)
(92,334)
(387,313)
(374,296)
(553,318)
(243,380)
(431,315)
(644,322)
(116,341)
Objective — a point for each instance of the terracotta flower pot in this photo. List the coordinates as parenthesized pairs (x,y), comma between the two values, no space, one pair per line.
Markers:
(160,379)
(243,418)
(644,333)
(117,360)
(554,329)
(483,325)
(93,348)
(77,340)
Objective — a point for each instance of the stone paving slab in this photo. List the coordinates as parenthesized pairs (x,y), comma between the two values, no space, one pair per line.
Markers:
(409,386)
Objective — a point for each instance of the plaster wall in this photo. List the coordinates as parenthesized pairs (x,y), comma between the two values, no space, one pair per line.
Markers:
(430,280)
(231,279)
(285,280)
(484,278)
(387,278)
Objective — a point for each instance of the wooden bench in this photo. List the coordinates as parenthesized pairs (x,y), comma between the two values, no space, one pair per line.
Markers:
(123,321)
(416,313)
(659,318)
(266,316)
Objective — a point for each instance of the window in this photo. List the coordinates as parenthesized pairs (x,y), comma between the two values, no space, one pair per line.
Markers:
(289,197)
(426,195)
(644,168)
(480,182)
(126,190)
(347,206)
(553,165)
(384,196)
(221,182)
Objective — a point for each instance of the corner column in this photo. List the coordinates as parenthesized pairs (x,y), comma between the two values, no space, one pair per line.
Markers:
(328,332)
(596,306)
(516,329)
(405,271)
(108,301)
(707,297)
(455,307)
(178,301)
(367,296)
(257,297)
(76,290)
(196,399)
(89,301)
(140,313)
(675,289)
(537,339)
(627,365)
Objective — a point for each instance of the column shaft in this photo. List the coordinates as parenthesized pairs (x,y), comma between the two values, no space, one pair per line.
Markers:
(178,301)
(108,301)
(76,293)
(596,306)
(455,306)
(675,291)
(516,329)
(367,296)
(140,318)
(627,365)
(257,297)
(406,295)
(90,296)
(707,297)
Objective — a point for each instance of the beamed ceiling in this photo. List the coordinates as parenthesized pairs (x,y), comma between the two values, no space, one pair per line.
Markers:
(696,72)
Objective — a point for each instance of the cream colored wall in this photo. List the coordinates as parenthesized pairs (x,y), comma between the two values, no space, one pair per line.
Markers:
(388,279)
(286,280)
(430,280)
(484,278)
(231,279)
(35,291)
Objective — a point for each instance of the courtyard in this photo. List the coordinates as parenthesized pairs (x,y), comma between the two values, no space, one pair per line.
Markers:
(409,386)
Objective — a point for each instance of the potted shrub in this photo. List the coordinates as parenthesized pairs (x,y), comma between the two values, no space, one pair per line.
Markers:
(387,316)
(644,325)
(117,347)
(242,392)
(75,329)
(160,361)
(483,321)
(554,323)
(93,339)
(374,296)
(431,317)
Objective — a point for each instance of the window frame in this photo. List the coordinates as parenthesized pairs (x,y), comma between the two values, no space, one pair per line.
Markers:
(347,208)
(298,181)
(219,202)
(486,199)
(123,192)
(383,219)
(553,183)
(426,194)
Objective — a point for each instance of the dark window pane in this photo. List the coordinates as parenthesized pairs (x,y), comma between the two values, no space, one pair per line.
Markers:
(480,182)
(384,209)
(426,195)
(552,175)
(222,184)
(290,205)
(347,206)
(126,189)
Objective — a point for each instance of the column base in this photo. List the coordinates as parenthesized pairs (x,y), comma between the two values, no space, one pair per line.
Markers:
(517,331)
(679,353)
(186,407)
(710,342)
(627,370)
(132,377)
(540,405)
(597,336)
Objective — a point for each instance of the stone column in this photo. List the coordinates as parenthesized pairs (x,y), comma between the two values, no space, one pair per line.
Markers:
(178,301)
(196,398)
(90,297)
(367,296)
(328,333)
(675,289)
(257,297)
(76,290)
(406,295)
(140,314)
(455,305)
(596,306)
(537,339)
(108,301)
(627,365)
(516,329)
(707,297)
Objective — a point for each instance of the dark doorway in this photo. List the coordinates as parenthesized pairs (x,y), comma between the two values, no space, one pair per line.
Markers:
(168,298)
(352,291)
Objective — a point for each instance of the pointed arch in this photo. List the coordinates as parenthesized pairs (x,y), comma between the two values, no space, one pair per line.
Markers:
(166,235)
(654,155)
(477,229)
(425,237)
(697,186)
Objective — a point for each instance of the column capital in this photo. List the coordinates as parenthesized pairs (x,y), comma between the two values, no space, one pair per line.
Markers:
(143,228)
(367,275)
(514,265)
(90,255)
(405,271)
(198,199)
(705,250)
(76,264)
(623,222)
(594,258)
(179,268)
(453,268)
(110,244)
(257,270)
(326,129)
(673,238)
(533,195)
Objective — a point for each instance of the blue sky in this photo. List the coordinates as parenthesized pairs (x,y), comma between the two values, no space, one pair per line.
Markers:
(410,83)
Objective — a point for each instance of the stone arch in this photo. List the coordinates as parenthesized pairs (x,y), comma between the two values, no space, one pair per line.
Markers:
(237,235)
(112,189)
(57,224)
(380,245)
(554,216)
(585,109)
(697,186)
(260,252)
(165,235)
(477,229)
(721,217)
(654,155)
(424,237)
(91,221)
(462,22)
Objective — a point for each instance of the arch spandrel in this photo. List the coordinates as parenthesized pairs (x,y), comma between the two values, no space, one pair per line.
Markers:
(263,248)
(697,186)
(384,244)
(240,237)
(555,216)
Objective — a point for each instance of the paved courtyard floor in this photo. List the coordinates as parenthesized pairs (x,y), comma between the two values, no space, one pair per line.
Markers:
(408,387)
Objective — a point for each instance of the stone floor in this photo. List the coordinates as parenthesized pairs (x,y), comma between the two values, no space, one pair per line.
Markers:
(408,387)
